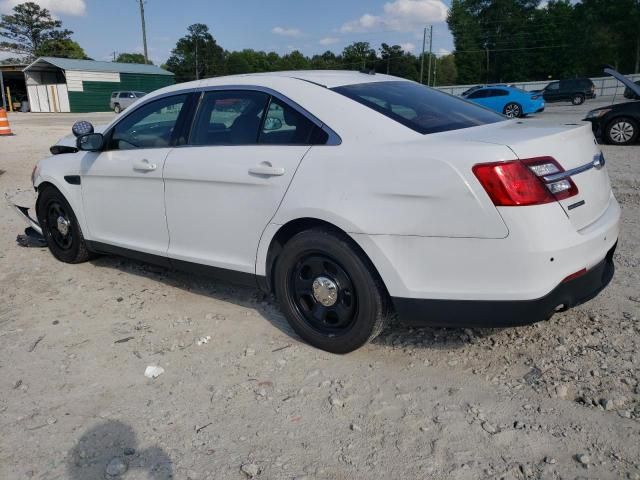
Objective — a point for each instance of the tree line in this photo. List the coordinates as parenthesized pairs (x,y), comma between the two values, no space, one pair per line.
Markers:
(198,55)
(495,41)
(518,40)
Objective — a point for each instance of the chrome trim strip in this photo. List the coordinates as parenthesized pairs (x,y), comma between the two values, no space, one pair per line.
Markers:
(597,162)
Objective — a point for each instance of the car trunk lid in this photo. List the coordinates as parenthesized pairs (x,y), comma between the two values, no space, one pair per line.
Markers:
(573,147)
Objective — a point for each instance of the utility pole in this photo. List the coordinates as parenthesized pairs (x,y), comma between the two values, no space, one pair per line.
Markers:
(197,69)
(114,56)
(435,70)
(487,49)
(430,52)
(144,32)
(424,43)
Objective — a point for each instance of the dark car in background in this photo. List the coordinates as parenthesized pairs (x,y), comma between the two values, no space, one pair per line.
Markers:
(628,93)
(618,124)
(575,90)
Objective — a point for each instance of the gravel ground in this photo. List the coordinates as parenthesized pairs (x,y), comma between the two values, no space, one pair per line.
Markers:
(242,397)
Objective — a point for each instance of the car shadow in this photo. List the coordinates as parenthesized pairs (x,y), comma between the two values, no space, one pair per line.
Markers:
(396,334)
(114,444)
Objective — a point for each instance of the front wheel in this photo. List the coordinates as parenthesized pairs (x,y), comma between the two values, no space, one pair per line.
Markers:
(622,131)
(512,110)
(329,291)
(60,227)
(577,99)
(117,109)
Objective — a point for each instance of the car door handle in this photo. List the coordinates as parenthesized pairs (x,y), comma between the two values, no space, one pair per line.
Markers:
(266,169)
(144,165)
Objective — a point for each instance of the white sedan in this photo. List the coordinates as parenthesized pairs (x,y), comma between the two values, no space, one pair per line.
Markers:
(352,197)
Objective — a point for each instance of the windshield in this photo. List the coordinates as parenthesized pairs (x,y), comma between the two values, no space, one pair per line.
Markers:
(420,108)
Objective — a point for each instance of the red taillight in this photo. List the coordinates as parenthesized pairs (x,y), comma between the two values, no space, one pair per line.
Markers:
(521,183)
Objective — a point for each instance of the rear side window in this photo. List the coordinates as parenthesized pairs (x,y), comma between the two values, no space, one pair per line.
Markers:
(499,93)
(124,94)
(114,94)
(420,108)
(285,126)
(229,118)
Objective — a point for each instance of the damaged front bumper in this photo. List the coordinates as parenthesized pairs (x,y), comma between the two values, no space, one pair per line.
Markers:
(23,213)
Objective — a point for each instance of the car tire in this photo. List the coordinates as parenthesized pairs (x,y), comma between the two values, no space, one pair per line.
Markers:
(577,99)
(622,131)
(60,227)
(117,108)
(512,110)
(329,291)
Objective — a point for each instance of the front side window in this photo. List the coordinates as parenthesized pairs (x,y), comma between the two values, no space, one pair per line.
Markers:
(149,126)
(285,126)
(229,118)
(420,108)
(553,86)
(124,94)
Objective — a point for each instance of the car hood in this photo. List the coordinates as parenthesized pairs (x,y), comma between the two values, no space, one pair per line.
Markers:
(621,78)
(70,140)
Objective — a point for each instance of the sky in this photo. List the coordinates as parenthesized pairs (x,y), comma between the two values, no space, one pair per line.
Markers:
(102,27)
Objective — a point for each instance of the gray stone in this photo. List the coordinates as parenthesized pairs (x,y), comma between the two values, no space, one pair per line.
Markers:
(116,467)
(489,428)
(250,469)
(583,458)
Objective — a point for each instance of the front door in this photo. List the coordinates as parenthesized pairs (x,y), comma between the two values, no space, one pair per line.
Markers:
(224,188)
(122,186)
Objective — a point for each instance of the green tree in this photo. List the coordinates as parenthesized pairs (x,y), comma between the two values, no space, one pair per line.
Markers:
(359,56)
(131,58)
(31,31)
(446,71)
(62,48)
(196,55)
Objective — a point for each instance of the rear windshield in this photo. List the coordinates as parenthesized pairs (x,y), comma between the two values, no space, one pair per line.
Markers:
(420,108)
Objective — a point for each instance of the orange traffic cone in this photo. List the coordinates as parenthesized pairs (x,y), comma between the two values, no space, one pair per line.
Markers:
(5,129)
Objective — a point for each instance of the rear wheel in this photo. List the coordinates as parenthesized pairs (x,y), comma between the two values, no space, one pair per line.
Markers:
(578,99)
(512,110)
(622,131)
(117,108)
(329,292)
(60,227)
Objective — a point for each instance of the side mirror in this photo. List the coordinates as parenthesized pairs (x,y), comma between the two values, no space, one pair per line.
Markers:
(92,142)
(272,123)
(82,128)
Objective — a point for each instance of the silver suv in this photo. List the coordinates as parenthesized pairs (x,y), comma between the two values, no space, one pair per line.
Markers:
(121,100)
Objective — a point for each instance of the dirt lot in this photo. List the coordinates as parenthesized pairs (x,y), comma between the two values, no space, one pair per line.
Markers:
(557,400)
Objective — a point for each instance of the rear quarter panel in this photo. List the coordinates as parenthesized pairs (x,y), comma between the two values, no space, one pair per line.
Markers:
(423,188)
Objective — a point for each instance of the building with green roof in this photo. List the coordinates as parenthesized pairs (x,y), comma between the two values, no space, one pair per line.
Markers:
(70,85)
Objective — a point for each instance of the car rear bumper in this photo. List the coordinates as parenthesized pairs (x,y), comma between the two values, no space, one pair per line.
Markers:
(500,313)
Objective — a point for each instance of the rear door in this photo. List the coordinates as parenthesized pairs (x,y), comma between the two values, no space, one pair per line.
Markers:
(227,184)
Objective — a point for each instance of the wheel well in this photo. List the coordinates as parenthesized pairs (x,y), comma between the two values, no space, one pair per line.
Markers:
(41,188)
(294,227)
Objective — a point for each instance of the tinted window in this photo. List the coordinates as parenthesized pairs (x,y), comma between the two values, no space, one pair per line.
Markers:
(418,107)
(499,93)
(149,126)
(114,94)
(229,118)
(124,94)
(285,126)
(553,86)
(479,94)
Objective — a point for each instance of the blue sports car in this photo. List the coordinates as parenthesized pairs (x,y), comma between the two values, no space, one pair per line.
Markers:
(511,101)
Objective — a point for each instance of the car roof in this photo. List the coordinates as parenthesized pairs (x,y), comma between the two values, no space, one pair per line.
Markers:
(324,78)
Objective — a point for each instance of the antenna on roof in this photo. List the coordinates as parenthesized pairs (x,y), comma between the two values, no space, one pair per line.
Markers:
(368,71)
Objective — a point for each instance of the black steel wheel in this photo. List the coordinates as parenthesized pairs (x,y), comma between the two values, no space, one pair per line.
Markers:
(329,291)
(60,227)
(323,293)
